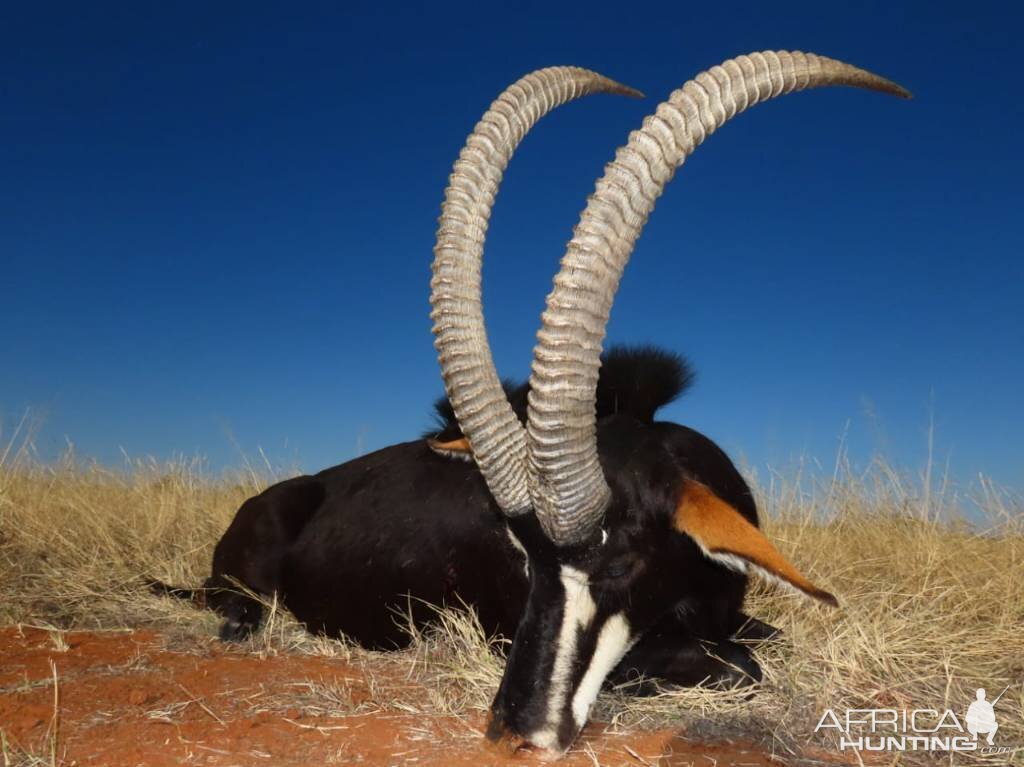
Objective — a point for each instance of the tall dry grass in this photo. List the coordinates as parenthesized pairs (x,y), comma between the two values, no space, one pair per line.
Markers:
(930,581)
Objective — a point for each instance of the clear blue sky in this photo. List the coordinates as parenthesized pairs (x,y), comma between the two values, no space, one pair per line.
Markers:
(216,223)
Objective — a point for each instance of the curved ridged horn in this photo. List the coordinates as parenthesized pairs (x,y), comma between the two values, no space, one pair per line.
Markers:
(568,489)
(497,438)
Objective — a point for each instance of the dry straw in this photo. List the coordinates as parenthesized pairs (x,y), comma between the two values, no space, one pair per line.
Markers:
(930,585)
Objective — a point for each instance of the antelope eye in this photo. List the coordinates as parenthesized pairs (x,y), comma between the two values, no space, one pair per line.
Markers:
(616,570)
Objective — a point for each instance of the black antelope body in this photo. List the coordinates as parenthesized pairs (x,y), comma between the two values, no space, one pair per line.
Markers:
(607,543)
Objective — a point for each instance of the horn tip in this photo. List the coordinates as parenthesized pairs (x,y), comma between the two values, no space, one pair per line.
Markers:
(897,90)
(621,89)
(857,77)
(884,85)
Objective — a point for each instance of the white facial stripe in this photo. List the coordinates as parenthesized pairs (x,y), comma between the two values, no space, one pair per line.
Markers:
(515,541)
(578,613)
(546,738)
(582,605)
(612,643)
(520,548)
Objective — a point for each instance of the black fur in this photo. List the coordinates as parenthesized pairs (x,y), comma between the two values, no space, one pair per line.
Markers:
(446,427)
(640,380)
(351,548)
(634,380)
(684,607)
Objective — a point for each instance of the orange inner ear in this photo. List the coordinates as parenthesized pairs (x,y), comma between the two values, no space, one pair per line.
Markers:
(719,529)
(460,445)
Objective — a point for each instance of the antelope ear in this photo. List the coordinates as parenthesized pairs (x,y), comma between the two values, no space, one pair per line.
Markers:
(456,448)
(725,536)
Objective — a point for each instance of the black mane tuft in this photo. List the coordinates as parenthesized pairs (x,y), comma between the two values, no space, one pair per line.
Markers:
(640,380)
(636,380)
(446,428)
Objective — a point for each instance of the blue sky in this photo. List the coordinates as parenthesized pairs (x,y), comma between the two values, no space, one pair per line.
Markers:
(217,222)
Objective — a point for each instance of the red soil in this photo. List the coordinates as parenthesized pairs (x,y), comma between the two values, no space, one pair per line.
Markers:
(125,699)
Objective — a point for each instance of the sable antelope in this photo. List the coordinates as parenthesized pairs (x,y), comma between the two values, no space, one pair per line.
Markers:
(637,534)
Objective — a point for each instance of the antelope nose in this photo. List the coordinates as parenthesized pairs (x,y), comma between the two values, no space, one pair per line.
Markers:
(502,739)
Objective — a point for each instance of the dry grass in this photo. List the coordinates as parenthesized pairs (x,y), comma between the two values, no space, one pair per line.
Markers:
(49,752)
(930,584)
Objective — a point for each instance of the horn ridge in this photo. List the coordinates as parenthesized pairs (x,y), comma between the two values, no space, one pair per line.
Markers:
(561,423)
(496,437)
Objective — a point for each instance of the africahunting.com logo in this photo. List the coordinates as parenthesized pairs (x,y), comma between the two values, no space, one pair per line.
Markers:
(923,729)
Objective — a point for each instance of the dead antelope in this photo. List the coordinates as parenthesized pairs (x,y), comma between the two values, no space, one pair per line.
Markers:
(606,542)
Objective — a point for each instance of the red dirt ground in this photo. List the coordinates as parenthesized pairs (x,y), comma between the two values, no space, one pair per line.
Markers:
(125,699)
